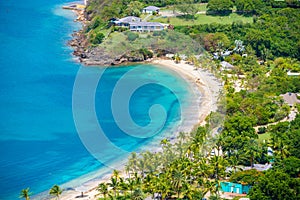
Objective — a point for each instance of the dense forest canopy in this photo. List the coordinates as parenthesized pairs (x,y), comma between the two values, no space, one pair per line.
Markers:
(271,35)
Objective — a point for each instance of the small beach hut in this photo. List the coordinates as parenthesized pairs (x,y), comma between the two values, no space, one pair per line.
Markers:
(235,188)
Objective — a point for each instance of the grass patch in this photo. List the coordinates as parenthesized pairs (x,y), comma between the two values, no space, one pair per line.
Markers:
(201,7)
(101,29)
(118,43)
(143,16)
(204,19)
(264,136)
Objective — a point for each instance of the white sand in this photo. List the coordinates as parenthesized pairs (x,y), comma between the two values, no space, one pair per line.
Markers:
(205,81)
(200,80)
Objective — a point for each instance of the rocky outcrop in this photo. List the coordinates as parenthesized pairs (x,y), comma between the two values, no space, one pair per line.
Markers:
(98,56)
(79,44)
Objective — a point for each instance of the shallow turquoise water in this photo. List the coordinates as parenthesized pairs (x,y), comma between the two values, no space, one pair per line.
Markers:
(39,143)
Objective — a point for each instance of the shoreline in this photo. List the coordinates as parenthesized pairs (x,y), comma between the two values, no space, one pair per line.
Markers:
(202,83)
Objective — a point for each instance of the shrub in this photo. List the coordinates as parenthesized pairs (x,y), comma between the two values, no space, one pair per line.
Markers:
(120,29)
(262,130)
(159,33)
(97,38)
(146,53)
(96,23)
(132,36)
(246,177)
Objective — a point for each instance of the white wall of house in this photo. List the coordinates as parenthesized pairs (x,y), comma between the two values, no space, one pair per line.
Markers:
(146,28)
(147,11)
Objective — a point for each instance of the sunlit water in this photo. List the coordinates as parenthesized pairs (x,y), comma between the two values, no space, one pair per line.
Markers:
(39,144)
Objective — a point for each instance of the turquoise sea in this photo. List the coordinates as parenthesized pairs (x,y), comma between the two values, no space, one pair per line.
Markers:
(39,143)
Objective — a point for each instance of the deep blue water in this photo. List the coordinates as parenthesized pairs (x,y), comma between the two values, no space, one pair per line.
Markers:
(39,143)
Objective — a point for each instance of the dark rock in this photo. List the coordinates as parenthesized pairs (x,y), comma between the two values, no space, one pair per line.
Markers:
(83,55)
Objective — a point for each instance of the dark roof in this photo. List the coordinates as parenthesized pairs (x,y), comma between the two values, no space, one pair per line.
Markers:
(152,8)
(290,98)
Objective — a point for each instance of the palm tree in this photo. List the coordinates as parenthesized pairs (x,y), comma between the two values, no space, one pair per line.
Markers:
(202,169)
(131,184)
(177,182)
(153,164)
(128,169)
(102,188)
(284,151)
(163,186)
(114,184)
(252,150)
(137,179)
(25,194)
(164,142)
(55,191)
(196,145)
(281,149)
(148,184)
(180,148)
(192,59)
(141,167)
(196,64)
(137,194)
(210,186)
(123,186)
(177,58)
(116,174)
(182,136)
(133,161)
(218,164)
(197,194)
(187,191)
(234,161)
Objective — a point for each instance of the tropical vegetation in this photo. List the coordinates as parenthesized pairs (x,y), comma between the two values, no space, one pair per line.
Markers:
(55,191)
(229,145)
(25,194)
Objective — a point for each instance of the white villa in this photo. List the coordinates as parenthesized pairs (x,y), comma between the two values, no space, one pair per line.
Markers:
(146,26)
(136,24)
(151,9)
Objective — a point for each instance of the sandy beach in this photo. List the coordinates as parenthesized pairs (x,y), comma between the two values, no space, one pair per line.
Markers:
(206,83)
(202,81)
